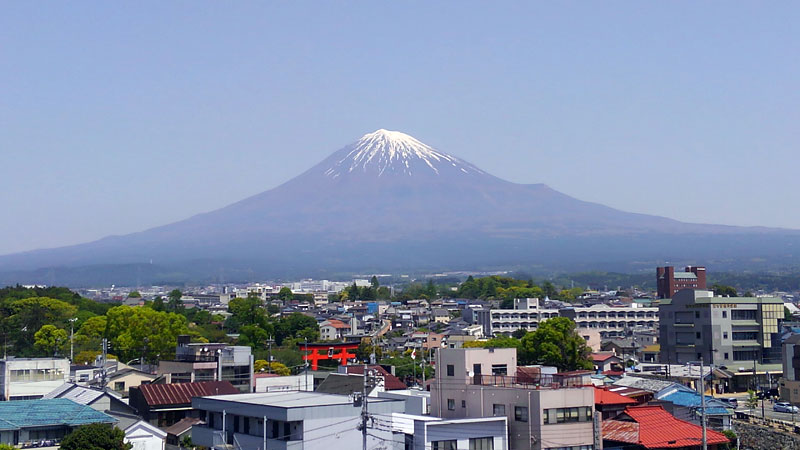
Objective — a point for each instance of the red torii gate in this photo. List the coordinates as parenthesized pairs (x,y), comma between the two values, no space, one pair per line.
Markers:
(332,351)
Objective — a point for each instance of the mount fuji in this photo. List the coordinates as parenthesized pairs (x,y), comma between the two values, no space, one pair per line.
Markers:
(390,202)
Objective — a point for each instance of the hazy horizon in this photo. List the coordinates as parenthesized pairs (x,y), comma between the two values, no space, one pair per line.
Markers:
(118,118)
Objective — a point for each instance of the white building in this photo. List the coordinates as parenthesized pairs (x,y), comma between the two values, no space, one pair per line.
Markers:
(31,378)
(143,436)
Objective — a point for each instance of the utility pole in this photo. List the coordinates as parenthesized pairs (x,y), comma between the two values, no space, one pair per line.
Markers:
(598,431)
(72,339)
(305,369)
(703,405)
(103,365)
(364,411)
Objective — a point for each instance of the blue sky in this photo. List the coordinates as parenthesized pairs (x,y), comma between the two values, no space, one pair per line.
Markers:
(116,117)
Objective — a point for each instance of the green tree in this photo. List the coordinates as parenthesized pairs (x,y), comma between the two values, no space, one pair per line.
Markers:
(174,303)
(50,340)
(723,290)
(261,366)
(496,342)
(134,294)
(245,311)
(549,290)
(296,325)
(129,326)
(28,315)
(752,400)
(158,304)
(374,282)
(556,343)
(97,436)
(285,294)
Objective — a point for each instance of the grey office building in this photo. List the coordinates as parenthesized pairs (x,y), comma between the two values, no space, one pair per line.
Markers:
(736,332)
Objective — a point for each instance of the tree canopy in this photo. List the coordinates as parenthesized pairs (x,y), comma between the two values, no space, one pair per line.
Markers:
(555,343)
(97,436)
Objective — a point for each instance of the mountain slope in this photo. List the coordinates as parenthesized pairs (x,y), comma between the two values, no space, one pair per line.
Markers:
(390,201)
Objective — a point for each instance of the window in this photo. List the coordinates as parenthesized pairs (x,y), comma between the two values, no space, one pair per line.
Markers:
(499,369)
(119,386)
(724,314)
(521,413)
(451,370)
(697,335)
(724,335)
(463,403)
(697,314)
(451,404)
(498,410)
(726,356)
(741,314)
(745,355)
(564,415)
(745,335)
(484,443)
(445,445)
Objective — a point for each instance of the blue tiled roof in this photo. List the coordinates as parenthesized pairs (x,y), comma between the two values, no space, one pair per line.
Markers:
(17,414)
(683,396)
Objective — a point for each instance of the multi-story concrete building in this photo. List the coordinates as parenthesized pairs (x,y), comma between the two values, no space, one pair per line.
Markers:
(669,282)
(528,313)
(31,378)
(741,333)
(605,317)
(289,420)
(790,383)
(210,362)
(478,382)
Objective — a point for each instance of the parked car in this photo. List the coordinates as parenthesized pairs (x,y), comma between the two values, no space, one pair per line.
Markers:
(732,402)
(785,407)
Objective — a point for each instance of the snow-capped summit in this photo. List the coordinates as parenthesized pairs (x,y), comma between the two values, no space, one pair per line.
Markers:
(392,152)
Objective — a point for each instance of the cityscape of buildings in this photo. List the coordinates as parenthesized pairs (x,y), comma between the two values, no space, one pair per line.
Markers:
(650,355)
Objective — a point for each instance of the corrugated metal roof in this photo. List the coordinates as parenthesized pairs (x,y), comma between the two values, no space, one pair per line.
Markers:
(606,397)
(182,393)
(17,414)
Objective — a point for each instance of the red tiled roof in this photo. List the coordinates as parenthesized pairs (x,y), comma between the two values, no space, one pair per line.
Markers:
(602,356)
(390,382)
(337,323)
(605,397)
(657,429)
(614,373)
(182,393)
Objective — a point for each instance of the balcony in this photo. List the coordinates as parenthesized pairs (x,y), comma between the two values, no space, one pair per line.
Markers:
(213,439)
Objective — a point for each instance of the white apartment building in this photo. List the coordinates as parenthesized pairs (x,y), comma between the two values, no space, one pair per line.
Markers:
(528,313)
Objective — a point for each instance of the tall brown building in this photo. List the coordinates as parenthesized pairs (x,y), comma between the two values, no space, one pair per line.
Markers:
(669,282)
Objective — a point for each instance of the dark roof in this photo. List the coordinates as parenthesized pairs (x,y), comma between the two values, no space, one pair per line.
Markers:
(182,426)
(390,382)
(182,393)
(341,383)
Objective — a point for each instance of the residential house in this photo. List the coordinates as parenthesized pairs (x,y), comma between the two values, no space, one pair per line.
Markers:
(47,421)
(610,403)
(606,362)
(652,427)
(333,329)
(177,432)
(164,404)
(143,436)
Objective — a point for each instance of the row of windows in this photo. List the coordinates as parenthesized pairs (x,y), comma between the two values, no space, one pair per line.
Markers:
(36,375)
(563,415)
(484,443)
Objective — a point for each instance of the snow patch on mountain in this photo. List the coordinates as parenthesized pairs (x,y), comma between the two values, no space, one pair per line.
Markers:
(385,151)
